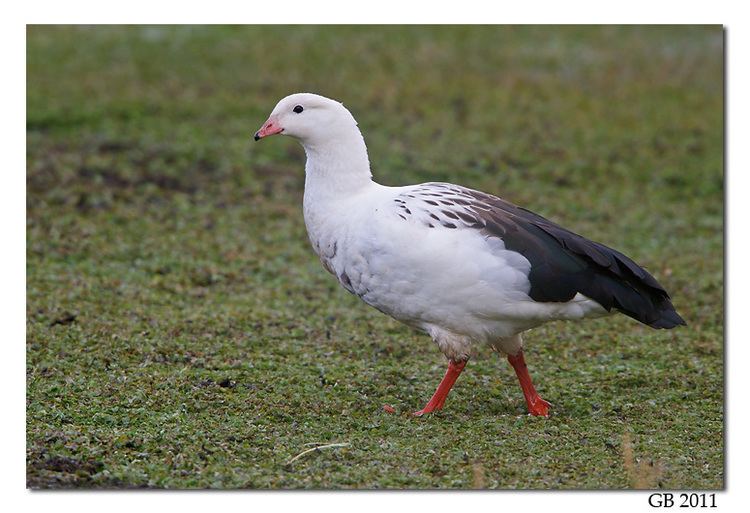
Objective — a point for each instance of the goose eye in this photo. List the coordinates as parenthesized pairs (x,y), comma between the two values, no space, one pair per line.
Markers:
(298,109)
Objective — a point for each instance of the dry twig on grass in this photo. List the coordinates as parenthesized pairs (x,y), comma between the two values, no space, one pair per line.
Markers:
(477,472)
(642,475)
(314,449)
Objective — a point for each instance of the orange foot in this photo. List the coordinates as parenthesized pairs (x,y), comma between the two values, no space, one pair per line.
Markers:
(539,407)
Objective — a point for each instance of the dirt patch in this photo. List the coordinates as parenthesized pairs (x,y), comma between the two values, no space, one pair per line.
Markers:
(64,319)
(60,471)
(44,472)
(71,465)
(113,165)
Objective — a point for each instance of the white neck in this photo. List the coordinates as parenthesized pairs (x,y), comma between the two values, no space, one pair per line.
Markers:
(337,166)
(337,170)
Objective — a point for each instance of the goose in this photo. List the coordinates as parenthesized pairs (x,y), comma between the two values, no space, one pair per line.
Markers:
(466,267)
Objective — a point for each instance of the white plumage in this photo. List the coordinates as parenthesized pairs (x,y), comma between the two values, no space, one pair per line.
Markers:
(456,284)
(436,256)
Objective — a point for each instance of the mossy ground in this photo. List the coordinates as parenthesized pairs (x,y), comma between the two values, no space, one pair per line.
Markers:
(181,333)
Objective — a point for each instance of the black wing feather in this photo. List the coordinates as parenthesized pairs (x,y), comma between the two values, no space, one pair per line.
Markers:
(564,263)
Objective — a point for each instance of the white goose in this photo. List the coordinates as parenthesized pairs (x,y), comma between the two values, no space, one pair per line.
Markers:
(464,266)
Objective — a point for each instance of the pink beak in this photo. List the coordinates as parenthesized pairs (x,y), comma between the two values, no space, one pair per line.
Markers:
(270,127)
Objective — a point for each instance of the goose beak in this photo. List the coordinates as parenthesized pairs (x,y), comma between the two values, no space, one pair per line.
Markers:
(270,127)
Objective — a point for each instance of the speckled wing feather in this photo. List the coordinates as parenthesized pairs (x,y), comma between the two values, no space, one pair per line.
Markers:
(562,262)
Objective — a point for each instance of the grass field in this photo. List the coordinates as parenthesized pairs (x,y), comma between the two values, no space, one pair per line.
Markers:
(181,333)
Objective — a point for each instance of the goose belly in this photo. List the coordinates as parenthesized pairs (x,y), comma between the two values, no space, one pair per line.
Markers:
(458,280)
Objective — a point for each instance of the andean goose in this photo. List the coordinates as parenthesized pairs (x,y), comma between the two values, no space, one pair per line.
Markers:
(462,265)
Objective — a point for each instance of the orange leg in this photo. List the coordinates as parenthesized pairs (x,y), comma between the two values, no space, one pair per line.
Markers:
(438,399)
(536,405)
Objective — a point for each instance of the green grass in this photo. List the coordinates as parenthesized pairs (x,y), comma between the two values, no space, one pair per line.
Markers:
(181,333)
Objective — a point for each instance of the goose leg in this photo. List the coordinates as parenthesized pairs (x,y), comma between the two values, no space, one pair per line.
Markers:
(536,405)
(438,399)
